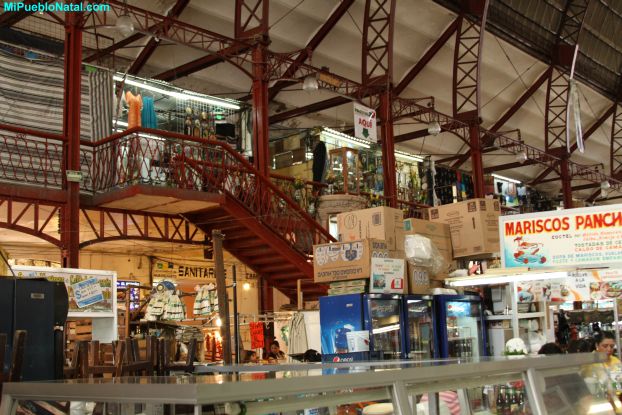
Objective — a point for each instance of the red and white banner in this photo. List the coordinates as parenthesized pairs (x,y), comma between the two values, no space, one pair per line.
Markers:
(585,237)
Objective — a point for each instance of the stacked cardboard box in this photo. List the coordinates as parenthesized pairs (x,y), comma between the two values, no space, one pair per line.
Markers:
(371,248)
(474,226)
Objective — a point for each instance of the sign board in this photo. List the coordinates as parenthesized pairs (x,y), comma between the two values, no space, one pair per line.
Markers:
(204,272)
(92,293)
(87,292)
(388,276)
(365,123)
(575,237)
(592,285)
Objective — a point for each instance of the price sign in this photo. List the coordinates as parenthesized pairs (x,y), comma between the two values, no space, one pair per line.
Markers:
(87,292)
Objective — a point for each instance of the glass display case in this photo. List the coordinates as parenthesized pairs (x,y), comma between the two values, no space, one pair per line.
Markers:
(461,330)
(346,169)
(532,385)
(419,327)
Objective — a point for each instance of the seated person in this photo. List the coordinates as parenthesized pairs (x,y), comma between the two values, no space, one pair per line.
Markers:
(250,356)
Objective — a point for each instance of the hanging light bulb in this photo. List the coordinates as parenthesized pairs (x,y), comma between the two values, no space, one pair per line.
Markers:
(218,322)
(521,156)
(605,185)
(310,83)
(604,193)
(246,286)
(124,25)
(434,128)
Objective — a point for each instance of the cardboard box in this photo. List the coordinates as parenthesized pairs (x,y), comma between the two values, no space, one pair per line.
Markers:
(346,260)
(418,280)
(397,254)
(382,223)
(388,276)
(474,226)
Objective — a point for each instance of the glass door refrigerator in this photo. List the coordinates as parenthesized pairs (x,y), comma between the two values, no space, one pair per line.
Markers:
(419,328)
(460,326)
(357,327)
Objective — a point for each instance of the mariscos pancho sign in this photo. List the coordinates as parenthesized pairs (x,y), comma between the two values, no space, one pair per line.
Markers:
(581,237)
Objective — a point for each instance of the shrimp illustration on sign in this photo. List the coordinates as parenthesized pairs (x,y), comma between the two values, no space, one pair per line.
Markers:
(528,252)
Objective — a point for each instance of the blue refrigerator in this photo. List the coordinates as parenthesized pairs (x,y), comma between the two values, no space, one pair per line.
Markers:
(460,327)
(419,328)
(358,327)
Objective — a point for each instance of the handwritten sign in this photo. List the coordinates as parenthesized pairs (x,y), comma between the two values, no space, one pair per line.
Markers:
(87,292)
(257,335)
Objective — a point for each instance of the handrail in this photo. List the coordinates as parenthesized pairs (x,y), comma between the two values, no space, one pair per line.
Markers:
(28,131)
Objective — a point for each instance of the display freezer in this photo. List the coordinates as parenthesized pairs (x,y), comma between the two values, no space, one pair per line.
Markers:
(361,327)
(419,328)
(460,326)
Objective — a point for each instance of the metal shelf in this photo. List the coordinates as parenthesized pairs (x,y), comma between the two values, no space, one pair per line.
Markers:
(539,314)
(499,318)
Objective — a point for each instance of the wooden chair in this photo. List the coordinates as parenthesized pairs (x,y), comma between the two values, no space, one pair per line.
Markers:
(17,356)
(165,359)
(133,365)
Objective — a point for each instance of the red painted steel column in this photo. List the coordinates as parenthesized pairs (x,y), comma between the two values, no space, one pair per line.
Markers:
(477,165)
(261,135)
(566,179)
(70,218)
(388,150)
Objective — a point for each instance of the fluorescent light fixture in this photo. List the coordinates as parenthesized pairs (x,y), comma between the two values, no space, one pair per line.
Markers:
(600,408)
(408,157)
(502,279)
(507,179)
(336,135)
(184,95)
(386,329)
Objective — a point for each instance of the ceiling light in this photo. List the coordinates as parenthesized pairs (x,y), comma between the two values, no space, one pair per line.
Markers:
(218,322)
(408,157)
(310,83)
(336,135)
(604,193)
(124,25)
(246,286)
(605,185)
(521,157)
(434,128)
(507,179)
(185,95)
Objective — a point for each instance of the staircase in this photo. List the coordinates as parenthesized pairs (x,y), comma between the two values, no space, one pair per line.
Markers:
(263,227)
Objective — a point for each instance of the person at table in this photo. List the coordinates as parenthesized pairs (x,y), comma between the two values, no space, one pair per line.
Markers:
(250,357)
(275,349)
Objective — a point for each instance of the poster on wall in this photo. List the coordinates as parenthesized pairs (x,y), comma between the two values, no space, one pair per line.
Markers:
(589,285)
(365,123)
(575,237)
(92,293)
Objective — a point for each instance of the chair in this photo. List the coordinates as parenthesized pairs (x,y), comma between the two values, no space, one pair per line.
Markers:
(14,373)
(132,364)
(165,364)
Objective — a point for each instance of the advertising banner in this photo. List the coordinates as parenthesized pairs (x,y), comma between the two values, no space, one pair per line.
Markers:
(365,123)
(592,285)
(575,237)
(204,272)
(92,293)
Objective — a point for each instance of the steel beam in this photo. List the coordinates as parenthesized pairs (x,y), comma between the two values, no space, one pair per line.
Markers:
(70,217)
(388,150)
(308,109)
(588,133)
(152,44)
(378,27)
(200,63)
(426,58)
(315,41)
(8,19)
(251,19)
(261,134)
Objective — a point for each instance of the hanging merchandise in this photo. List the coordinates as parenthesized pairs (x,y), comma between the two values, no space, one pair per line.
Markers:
(101,103)
(155,307)
(148,114)
(174,309)
(204,300)
(573,106)
(297,334)
(135,103)
(188,122)
(257,335)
